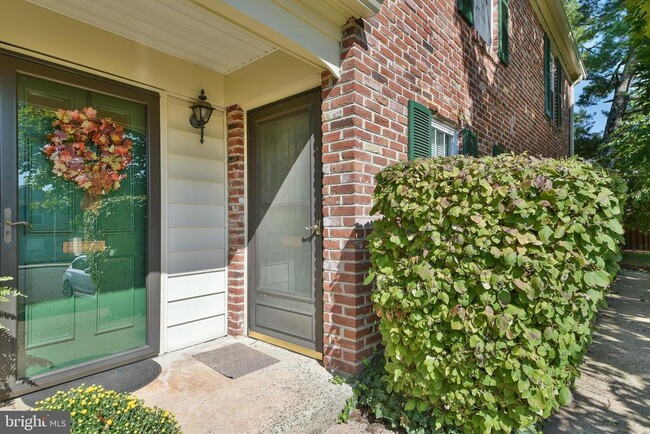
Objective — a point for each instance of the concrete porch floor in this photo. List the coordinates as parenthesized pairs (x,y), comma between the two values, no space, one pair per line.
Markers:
(296,395)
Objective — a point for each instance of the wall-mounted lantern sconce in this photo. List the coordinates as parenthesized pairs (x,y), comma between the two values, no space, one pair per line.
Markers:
(201,112)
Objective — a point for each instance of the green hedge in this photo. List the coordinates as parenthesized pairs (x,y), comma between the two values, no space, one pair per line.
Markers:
(488,274)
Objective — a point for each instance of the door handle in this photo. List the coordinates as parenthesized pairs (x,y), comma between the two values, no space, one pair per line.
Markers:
(8,225)
(316,228)
(24,223)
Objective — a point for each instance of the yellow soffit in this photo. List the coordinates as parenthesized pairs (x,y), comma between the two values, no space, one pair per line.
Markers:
(553,18)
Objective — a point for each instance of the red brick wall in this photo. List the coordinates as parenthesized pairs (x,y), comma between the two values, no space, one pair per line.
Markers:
(236,221)
(424,51)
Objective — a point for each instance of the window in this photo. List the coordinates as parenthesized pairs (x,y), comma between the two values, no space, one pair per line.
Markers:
(429,137)
(483,19)
(548,78)
(478,13)
(79,263)
(444,140)
(504,37)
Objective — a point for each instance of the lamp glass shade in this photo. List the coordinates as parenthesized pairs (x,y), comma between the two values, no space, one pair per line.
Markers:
(206,112)
(201,111)
(196,112)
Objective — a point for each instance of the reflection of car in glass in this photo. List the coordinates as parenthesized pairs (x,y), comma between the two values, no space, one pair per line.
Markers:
(76,279)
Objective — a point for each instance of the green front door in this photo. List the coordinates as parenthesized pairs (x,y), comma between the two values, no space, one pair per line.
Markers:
(81,257)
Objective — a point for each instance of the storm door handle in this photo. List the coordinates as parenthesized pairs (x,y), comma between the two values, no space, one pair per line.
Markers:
(8,225)
(316,228)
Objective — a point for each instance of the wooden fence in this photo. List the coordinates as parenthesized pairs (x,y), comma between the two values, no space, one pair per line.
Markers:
(635,240)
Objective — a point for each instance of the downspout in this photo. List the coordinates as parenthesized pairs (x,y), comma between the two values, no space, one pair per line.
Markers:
(571,123)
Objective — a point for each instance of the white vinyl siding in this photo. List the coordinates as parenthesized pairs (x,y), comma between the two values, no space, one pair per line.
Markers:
(196,229)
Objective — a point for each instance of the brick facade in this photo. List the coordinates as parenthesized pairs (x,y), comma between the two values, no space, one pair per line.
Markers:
(236,221)
(424,51)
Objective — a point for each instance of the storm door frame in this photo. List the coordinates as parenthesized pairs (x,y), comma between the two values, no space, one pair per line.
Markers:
(11,65)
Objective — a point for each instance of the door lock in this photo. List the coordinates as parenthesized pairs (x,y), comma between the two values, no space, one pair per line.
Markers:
(8,225)
(316,228)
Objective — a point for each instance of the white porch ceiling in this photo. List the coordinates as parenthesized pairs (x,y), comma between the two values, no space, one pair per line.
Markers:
(176,27)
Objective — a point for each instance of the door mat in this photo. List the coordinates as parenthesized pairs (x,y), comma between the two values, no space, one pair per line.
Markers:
(235,360)
(127,378)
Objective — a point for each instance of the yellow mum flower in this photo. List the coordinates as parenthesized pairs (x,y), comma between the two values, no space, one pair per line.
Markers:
(84,411)
(73,414)
(109,422)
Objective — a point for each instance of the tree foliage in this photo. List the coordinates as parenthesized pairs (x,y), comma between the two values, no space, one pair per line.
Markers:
(638,16)
(603,37)
(629,154)
(614,40)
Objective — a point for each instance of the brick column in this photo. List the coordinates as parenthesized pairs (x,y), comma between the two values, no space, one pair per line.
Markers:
(350,327)
(236,221)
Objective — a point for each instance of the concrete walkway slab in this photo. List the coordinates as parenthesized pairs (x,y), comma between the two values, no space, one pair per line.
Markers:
(296,395)
(613,393)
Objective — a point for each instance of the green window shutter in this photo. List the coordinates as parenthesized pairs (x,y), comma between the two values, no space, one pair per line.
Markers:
(419,131)
(504,37)
(559,81)
(470,143)
(548,101)
(497,150)
(466,9)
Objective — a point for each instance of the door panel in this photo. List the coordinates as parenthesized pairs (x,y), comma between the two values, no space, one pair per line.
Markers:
(105,312)
(285,250)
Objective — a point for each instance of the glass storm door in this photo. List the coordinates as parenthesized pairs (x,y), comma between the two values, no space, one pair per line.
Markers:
(81,258)
(285,245)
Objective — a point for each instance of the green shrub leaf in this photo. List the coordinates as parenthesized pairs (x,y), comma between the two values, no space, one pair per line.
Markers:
(565,396)
(597,278)
(488,273)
